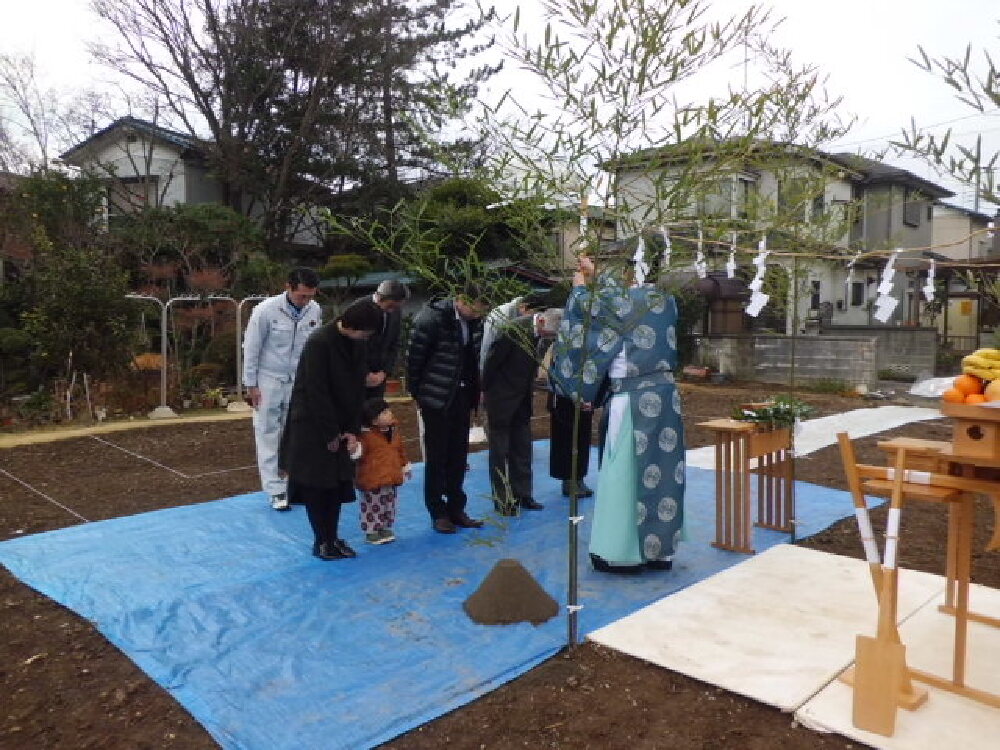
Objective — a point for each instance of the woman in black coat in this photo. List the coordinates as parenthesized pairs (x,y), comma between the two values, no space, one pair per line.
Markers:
(319,444)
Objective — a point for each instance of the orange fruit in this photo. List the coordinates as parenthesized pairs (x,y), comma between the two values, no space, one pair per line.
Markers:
(975,398)
(968,384)
(953,396)
(992,390)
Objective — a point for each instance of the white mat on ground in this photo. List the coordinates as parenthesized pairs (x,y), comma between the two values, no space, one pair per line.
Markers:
(822,431)
(775,628)
(946,720)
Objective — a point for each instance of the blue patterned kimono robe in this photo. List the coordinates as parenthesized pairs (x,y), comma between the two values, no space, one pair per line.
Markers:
(639,509)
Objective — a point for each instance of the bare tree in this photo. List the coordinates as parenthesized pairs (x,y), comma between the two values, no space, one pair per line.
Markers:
(218,67)
(38,122)
(26,134)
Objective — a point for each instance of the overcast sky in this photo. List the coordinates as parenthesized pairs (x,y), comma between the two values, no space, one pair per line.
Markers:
(861,44)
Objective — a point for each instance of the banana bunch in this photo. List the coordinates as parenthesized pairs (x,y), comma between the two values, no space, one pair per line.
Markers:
(983,363)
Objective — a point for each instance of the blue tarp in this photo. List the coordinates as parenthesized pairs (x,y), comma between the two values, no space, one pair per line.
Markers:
(222,604)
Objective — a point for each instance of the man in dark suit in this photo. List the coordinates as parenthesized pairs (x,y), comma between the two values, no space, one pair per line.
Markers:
(383,346)
(509,370)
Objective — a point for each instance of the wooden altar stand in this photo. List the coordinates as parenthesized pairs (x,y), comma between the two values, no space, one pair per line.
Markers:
(952,475)
(736,445)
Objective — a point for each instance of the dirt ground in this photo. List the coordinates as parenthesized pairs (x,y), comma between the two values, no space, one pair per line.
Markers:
(65,686)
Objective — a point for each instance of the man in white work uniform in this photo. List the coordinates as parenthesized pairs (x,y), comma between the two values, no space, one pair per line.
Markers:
(275,335)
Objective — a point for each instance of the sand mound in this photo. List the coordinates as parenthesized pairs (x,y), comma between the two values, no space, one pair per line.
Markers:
(510,594)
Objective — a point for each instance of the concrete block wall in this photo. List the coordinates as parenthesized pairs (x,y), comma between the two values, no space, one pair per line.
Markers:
(731,355)
(851,359)
(767,357)
(909,350)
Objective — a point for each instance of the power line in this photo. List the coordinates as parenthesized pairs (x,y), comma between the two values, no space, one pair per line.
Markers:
(925,127)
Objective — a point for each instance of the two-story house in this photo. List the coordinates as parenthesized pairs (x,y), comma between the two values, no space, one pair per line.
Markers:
(817,203)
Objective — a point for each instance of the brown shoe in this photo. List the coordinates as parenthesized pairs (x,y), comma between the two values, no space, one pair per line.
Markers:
(444,526)
(465,522)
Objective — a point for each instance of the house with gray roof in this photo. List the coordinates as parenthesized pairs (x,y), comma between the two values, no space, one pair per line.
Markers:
(807,200)
(148,165)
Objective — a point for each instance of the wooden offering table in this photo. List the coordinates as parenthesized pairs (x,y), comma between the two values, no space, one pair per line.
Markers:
(970,465)
(736,445)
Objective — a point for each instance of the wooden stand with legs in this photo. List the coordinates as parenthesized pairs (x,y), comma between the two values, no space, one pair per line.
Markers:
(924,471)
(736,445)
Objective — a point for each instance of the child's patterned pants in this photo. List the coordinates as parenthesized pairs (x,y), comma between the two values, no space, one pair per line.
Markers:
(378,509)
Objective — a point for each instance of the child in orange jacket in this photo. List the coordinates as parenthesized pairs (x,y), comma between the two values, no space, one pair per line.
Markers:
(381,469)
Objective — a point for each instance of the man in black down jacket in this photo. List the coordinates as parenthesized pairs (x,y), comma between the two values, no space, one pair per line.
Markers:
(442,374)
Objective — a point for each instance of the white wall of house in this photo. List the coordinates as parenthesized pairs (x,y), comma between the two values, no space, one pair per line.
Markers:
(894,216)
(637,193)
(826,282)
(635,196)
(952,228)
(310,227)
(124,158)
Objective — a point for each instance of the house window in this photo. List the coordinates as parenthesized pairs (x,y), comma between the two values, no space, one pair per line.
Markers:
(857,293)
(912,208)
(745,190)
(128,195)
(794,198)
(718,199)
(814,297)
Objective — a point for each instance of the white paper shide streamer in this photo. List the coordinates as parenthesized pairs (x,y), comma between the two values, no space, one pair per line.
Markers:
(666,246)
(929,286)
(885,304)
(700,266)
(639,263)
(731,263)
(757,298)
(850,272)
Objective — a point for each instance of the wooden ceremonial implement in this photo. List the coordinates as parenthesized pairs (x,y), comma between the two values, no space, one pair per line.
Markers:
(922,470)
(880,662)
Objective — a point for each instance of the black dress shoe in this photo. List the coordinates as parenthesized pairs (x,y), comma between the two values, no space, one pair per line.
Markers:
(660,564)
(463,521)
(325,551)
(344,548)
(444,526)
(529,503)
(603,566)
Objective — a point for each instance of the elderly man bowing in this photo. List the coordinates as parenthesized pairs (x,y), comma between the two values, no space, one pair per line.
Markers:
(509,371)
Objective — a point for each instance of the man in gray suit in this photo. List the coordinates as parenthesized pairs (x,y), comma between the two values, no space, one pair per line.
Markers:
(509,370)
(383,346)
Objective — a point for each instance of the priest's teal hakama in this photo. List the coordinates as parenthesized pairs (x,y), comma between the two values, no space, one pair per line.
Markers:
(629,336)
